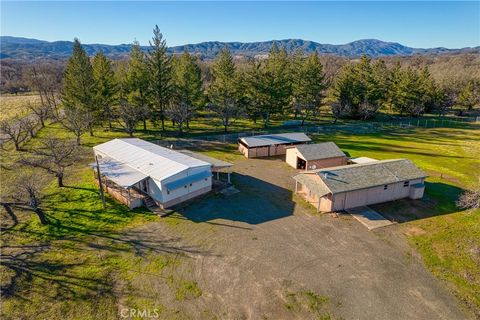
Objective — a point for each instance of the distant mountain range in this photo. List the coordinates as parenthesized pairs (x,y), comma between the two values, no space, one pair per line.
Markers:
(31,49)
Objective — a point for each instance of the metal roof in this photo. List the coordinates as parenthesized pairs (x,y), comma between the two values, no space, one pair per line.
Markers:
(148,158)
(366,175)
(362,160)
(187,180)
(274,139)
(122,174)
(317,151)
(216,163)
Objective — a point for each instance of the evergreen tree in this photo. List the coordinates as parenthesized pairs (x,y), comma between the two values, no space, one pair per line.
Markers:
(469,96)
(105,86)
(277,83)
(308,85)
(188,85)
(407,93)
(223,91)
(357,92)
(136,83)
(159,64)
(79,85)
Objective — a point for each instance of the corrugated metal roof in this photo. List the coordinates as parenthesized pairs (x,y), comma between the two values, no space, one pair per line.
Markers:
(362,160)
(216,163)
(187,180)
(148,158)
(273,139)
(122,174)
(317,151)
(366,175)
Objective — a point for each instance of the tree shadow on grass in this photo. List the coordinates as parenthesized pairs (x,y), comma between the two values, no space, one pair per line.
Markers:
(439,199)
(257,202)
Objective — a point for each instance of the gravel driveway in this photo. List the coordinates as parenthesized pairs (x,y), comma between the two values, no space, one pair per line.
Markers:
(267,249)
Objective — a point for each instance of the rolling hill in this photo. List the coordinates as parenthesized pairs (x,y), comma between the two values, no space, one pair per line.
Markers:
(28,49)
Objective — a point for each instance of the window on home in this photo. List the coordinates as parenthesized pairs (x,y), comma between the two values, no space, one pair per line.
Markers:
(385,187)
(168,191)
(406,183)
(190,184)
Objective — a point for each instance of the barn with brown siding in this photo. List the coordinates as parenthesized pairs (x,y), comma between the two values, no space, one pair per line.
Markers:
(350,186)
(315,156)
(269,145)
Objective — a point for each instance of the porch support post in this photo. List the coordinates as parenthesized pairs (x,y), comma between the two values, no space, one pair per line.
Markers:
(318,206)
(129,200)
(218,176)
(228,177)
(296,186)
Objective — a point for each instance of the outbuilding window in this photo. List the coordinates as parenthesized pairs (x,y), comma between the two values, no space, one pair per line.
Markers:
(406,183)
(385,187)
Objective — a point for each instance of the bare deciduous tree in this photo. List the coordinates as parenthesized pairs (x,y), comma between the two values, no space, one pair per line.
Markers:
(180,113)
(42,111)
(77,121)
(14,131)
(29,125)
(53,155)
(129,115)
(25,193)
(470,199)
(46,79)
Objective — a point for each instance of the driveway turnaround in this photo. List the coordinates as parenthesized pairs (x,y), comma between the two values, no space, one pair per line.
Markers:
(263,253)
(369,217)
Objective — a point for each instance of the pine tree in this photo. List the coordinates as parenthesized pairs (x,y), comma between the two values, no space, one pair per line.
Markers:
(357,91)
(160,69)
(223,92)
(79,85)
(188,84)
(308,85)
(137,81)
(470,95)
(105,86)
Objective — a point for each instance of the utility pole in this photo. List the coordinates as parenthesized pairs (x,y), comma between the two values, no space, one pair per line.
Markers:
(100,183)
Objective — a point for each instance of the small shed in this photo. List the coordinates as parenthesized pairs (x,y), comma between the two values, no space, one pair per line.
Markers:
(315,156)
(356,185)
(270,144)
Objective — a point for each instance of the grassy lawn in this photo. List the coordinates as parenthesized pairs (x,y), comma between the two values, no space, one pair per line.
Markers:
(82,266)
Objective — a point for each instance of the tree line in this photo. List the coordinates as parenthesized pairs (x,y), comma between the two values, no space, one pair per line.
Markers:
(157,86)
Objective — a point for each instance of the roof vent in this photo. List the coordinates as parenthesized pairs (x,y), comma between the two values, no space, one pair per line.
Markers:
(325,175)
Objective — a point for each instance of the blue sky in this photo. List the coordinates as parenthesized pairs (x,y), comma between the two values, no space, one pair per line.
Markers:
(416,24)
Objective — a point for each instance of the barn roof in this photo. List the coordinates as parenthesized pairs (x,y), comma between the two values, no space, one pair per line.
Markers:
(148,158)
(317,151)
(274,139)
(365,175)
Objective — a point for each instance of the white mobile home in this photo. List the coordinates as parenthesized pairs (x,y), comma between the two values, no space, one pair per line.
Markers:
(138,167)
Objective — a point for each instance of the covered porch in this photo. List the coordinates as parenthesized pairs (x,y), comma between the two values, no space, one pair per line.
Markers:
(121,182)
(221,169)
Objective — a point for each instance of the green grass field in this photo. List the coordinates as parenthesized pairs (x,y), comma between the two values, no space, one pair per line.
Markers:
(80,266)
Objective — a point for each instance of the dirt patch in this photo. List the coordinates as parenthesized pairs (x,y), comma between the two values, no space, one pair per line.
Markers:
(262,249)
